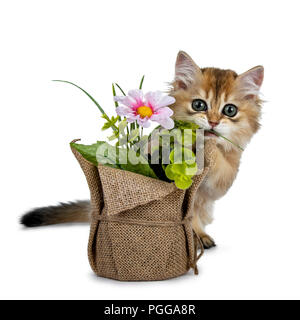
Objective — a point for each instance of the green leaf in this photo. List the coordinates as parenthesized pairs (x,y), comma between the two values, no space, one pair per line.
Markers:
(182,155)
(110,122)
(188,137)
(175,170)
(96,103)
(88,151)
(188,156)
(124,94)
(169,172)
(176,135)
(191,170)
(114,94)
(185,125)
(143,143)
(140,165)
(176,155)
(141,168)
(103,153)
(183,164)
(181,174)
(190,125)
(133,135)
(179,169)
(183,182)
(106,126)
(165,132)
(92,154)
(141,83)
(113,137)
(122,125)
(122,140)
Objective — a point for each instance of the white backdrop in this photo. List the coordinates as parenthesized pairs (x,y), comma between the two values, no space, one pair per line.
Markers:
(94,43)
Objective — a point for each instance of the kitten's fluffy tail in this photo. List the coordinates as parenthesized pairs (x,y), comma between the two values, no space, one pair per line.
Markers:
(63,213)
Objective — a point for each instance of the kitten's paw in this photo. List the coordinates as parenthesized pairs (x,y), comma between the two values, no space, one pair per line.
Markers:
(208,242)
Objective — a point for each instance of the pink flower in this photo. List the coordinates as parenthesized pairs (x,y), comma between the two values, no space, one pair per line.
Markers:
(142,108)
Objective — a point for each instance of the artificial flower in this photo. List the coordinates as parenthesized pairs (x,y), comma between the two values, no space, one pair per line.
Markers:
(153,106)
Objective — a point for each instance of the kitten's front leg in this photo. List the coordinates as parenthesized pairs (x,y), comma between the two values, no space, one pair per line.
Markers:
(222,172)
(208,241)
(202,204)
(202,217)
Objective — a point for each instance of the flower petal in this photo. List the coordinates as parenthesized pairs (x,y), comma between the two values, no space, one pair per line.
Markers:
(137,95)
(166,101)
(152,98)
(156,99)
(124,111)
(167,123)
(164,112)
(145,124)
(125,100)
(131,119)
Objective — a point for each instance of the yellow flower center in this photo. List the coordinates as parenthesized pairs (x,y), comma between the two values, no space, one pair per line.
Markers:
(144,111)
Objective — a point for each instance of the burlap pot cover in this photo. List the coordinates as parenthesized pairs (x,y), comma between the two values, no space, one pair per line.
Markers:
(141,227)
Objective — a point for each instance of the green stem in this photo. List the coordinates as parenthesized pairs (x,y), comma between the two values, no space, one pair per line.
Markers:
(219,135)
(116,102)
(142,81)
(124,94)
(114,94)
(140,87)
(142,131)
(96,103)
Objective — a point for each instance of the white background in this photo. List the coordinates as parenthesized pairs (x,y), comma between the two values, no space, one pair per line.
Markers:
(94,43)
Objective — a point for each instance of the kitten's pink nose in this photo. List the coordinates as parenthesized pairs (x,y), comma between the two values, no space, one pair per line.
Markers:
(213,124)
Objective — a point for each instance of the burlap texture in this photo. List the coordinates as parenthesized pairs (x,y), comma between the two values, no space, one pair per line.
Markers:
(141,227)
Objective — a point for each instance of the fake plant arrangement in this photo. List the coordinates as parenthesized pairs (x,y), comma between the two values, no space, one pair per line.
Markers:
(141,223)
(134,112)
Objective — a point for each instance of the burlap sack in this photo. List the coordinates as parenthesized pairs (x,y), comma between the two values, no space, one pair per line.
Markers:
(141,227)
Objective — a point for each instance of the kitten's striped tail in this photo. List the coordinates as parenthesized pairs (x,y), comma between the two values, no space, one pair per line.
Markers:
(78,211)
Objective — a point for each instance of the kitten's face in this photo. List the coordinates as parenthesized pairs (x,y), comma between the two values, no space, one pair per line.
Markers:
(218,100)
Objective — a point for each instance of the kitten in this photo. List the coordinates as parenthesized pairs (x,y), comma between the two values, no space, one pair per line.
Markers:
(227,103)
(214,99)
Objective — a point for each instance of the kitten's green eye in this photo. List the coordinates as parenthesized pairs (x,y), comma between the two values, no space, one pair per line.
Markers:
(199,105)
(230,110)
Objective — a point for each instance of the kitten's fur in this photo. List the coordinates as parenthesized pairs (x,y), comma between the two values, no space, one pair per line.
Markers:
(217,87)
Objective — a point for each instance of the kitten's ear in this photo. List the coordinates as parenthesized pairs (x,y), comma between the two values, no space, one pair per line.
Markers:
(249,82)
(185,70)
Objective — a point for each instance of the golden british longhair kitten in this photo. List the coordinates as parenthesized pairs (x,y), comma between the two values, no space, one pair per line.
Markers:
(225,102)
(217,100)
